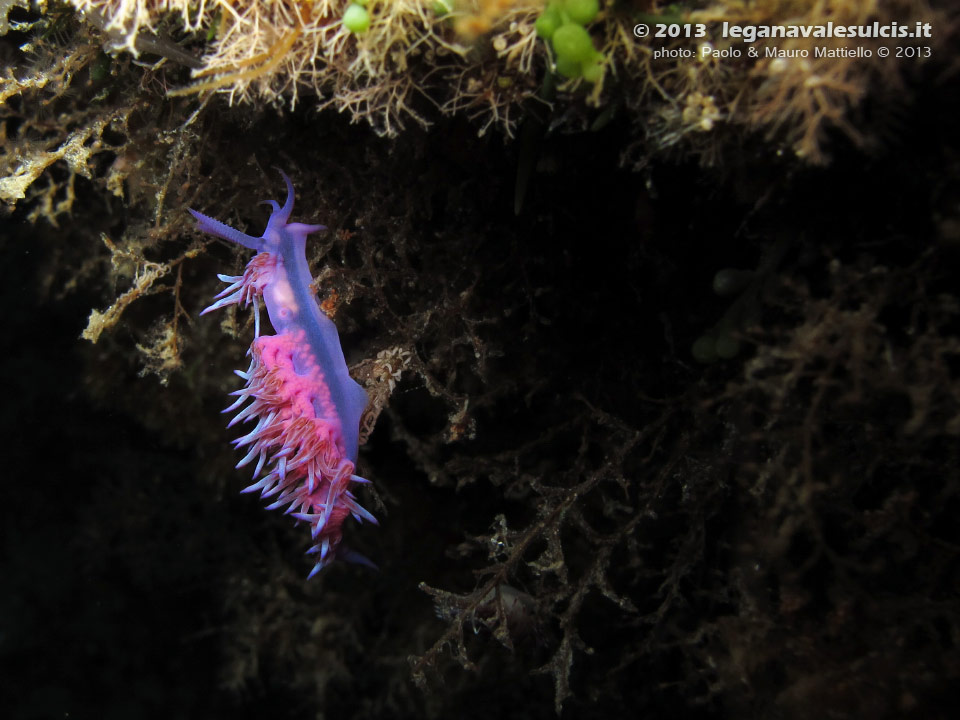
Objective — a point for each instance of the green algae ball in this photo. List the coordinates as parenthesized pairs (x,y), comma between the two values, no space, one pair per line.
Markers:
(547,24)
(582,11)
(726,347)
(704,349)
(593,70)
(356,19)
(730,281)
(569,68)
(100,69)
(572,43)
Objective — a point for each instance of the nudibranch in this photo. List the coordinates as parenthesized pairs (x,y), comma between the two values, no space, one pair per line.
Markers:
(298,390)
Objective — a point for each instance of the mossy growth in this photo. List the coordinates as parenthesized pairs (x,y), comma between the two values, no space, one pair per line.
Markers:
(562,24)
(392,63)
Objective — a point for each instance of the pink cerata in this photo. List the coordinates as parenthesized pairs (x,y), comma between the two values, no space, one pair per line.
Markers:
(298,390)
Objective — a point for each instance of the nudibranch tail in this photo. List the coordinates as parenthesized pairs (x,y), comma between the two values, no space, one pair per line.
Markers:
(298,391)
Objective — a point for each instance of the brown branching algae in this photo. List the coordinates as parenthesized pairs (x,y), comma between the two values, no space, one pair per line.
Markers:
(661,339)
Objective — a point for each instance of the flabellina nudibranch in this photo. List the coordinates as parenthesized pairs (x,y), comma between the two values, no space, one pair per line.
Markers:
(306,406)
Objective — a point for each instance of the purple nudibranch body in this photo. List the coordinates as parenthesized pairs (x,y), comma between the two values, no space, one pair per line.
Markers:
(298,388)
